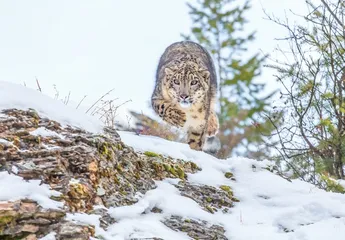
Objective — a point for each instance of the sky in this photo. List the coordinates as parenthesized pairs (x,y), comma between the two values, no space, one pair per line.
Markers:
(88,47)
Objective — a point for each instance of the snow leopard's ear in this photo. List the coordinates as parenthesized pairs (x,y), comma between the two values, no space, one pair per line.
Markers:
(168,72)
(205,74)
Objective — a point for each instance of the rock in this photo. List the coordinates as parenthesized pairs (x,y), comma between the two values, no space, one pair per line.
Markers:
(88,170)
(209,198)
(72,231)
(25,218)
(200,230)
(106,168)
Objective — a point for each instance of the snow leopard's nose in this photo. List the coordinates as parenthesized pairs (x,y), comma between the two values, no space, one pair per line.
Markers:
(184,97)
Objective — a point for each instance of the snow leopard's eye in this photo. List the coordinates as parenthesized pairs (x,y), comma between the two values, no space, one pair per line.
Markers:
(194,82)
(176,81)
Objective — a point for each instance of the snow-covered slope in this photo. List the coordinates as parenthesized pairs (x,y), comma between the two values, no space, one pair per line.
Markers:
(270,207)
(21,97)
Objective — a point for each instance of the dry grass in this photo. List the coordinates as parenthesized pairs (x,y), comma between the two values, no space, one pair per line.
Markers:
(107,111)
(104,108)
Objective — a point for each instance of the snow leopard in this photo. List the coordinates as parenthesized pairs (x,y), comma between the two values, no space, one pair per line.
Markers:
(185,91)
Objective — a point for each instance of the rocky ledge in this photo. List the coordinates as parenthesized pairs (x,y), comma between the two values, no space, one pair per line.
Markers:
(90,170)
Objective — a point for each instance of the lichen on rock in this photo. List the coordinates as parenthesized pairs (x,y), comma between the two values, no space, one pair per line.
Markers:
(209,198)
(89,169)
(196,229)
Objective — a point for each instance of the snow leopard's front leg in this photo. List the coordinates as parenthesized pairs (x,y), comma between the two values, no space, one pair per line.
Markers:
(196,137)
(169,112)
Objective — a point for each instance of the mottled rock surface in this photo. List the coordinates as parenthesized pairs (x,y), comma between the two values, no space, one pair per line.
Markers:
(89,170)
(25,219)
(200,230)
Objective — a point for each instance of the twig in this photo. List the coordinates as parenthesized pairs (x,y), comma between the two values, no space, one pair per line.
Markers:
(128,121)
(67,98)
(81,101)
(332,13)
(38,84)
(56,92)
(99,100)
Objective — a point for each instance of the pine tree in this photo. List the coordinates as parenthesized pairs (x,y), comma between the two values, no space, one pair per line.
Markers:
(312,135)
(218,25)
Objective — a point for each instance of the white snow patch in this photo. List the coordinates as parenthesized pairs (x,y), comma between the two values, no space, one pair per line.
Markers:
(13,188)
(269,205)
(50,147)
(5,142)
(341,182)
(50,236)
(15,170)
(44,132)
(89,219)
(165,197)
(145,226)
(20,97)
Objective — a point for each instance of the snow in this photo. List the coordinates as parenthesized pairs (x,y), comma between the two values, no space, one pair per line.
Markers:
(44,132)
(50,236)
(270,207)
(5,142)
(341,182)
(14,188)
(20,97)
(144,227)
(88,219)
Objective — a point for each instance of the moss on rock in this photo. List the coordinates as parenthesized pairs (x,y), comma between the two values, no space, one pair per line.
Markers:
(151,154)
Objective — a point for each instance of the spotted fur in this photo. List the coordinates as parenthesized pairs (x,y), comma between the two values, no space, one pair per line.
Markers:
(185,91)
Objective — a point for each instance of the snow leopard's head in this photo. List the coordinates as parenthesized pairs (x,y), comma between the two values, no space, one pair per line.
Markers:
(186,83)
